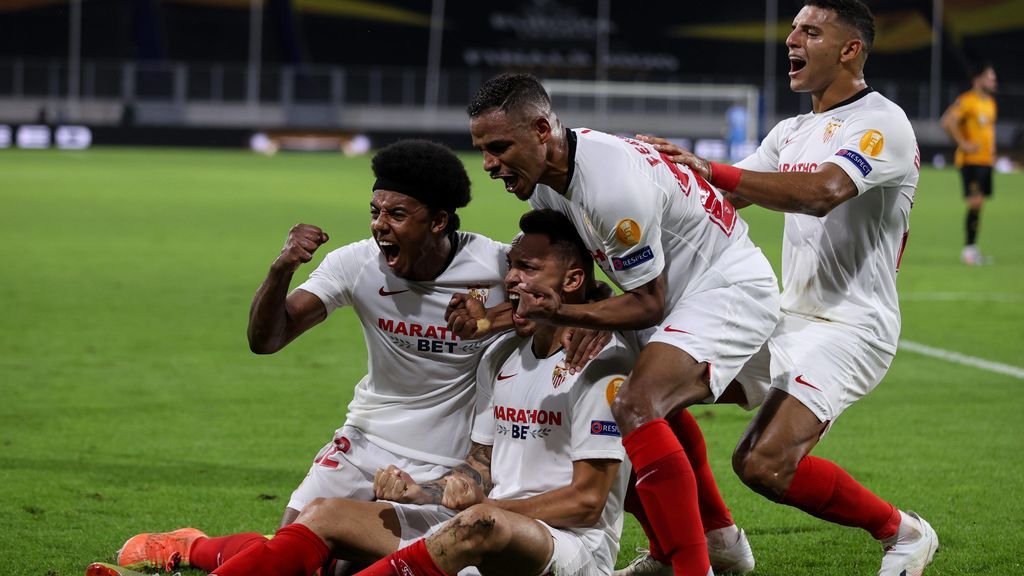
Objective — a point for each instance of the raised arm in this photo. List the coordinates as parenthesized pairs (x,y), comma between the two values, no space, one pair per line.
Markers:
(276,317)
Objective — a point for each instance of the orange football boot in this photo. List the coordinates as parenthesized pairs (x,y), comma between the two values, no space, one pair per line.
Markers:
(104,569)
(158,550)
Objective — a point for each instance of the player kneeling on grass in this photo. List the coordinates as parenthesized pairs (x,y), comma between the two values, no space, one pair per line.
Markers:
(399,282)
(542,488)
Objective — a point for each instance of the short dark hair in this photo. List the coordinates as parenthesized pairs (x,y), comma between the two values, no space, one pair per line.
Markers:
(854,14)
(976,69)
(562,235)
(510,93)
(428,172)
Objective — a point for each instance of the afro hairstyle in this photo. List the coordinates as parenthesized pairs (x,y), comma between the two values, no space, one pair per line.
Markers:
(426,171)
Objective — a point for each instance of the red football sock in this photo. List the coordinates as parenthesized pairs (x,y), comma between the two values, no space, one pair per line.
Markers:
(823,489)
(713,512)
(413,560)
(668,489)
(294,551)
(209,553)
(634,506)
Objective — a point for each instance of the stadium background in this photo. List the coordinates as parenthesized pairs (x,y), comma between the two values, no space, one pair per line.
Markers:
(128,399)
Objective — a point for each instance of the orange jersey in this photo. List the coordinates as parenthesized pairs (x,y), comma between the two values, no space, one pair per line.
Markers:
(976,117)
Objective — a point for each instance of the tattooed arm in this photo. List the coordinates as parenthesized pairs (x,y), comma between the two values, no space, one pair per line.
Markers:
(474,474)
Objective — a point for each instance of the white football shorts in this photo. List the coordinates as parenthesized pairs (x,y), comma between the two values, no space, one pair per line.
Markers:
(570,557)
(723,327)
(824,365)
(344,468)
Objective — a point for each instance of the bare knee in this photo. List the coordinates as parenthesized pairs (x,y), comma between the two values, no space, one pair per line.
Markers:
(642,400)
(319,513)
(765,471)
(317,508)
(476,531)
(631,410)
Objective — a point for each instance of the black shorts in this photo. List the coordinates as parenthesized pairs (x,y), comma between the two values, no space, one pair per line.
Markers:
(977,180)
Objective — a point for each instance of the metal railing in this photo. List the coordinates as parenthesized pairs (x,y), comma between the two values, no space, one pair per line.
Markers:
(167,92)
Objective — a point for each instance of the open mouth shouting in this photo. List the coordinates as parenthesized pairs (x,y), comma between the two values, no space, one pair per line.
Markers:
(796,64)
(511,181)
(391,252)
(519,321)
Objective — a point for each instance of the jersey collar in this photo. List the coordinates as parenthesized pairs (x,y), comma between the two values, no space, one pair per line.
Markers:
(570,139)
(851,99)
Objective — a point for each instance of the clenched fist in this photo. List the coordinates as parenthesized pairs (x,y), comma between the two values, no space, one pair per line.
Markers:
(461,492)
(302,242)
(396,485)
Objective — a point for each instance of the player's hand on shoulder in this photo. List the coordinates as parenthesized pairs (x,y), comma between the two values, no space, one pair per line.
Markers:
(303,240)
(461,492)
(396,485)
(583,345)
(467,317)
(679,155)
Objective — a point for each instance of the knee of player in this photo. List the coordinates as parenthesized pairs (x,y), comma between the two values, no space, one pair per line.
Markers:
(320,514)
(316,508)
(762,471)
(481,529)
(631,409)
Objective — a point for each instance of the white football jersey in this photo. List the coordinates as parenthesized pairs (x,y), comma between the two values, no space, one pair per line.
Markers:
(640,215)
(417,398)
(540,419)
(842,267)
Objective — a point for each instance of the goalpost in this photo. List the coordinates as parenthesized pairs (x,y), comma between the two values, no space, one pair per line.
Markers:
(690,110)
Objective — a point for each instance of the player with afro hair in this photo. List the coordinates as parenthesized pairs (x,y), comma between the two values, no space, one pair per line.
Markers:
(426,171)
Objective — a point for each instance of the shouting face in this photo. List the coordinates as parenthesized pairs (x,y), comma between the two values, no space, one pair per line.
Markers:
(513,148)
(409,236)
(816,48)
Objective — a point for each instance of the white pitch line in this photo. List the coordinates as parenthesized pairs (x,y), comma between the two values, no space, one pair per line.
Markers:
(963,359)
(961,297)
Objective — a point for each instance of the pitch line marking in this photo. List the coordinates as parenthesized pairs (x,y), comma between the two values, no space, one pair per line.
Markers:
(958,358)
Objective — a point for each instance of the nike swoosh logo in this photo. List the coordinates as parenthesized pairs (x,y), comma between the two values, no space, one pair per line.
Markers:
(644,477)
(384,292)
(800,380)
(504,377)
(669,328)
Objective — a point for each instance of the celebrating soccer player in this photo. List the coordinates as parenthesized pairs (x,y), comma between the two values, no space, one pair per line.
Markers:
(542,488)
(845,174)
(704,296)
(414,407)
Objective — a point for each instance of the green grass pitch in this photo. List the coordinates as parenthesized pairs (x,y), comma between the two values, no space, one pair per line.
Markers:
(129,401)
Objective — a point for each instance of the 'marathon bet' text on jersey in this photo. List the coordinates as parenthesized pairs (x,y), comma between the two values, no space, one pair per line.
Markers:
(539,419)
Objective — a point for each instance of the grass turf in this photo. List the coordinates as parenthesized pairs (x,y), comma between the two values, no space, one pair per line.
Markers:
(129,401)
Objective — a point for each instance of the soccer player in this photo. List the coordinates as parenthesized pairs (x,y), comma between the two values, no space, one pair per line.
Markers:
(845,174)
(414,407)
(691,277)
(541,491)
(971,122)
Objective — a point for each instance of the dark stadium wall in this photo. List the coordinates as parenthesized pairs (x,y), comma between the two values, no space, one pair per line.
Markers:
(649,40)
